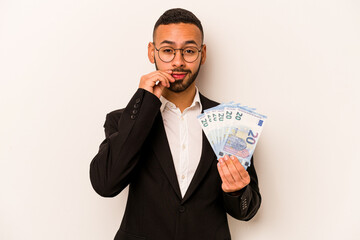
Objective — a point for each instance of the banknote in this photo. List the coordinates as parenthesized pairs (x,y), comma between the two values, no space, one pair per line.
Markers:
(233,129)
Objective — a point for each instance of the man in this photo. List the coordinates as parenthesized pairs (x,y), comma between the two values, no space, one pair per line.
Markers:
(177,188)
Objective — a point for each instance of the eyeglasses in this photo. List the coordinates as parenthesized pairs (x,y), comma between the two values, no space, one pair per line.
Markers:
(189,54)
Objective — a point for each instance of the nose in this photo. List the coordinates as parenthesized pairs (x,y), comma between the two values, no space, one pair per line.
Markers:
(178,60)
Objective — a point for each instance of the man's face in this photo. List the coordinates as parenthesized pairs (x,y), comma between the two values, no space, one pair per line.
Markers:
(179,35)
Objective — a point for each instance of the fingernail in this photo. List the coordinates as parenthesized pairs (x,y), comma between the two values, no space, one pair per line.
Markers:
(169,71)
(232,157)
(226,157)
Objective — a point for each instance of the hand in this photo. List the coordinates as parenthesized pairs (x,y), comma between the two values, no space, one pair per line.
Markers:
(149,81)
(233,174)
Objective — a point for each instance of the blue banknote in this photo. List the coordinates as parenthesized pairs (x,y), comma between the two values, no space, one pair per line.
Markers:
(233,129)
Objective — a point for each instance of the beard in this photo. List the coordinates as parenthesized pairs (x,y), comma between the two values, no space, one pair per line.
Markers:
(180,85)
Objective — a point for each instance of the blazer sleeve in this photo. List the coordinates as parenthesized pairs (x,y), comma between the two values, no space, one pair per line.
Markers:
(114,164)
(244,204)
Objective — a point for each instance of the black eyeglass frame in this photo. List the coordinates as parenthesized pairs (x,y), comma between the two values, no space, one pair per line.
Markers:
(181,51)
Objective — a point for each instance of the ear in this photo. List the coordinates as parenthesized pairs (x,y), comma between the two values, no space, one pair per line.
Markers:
(203,54)
(151,53)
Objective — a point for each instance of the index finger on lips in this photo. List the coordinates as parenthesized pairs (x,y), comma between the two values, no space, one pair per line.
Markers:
(168,75)
(158,77)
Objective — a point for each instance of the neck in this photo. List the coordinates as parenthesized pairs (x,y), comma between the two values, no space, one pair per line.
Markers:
(183,99)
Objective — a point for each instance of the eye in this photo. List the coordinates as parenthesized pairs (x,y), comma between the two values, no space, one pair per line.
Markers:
(189,51)
(167,50)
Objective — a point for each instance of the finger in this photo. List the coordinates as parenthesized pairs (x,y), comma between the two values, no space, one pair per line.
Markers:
(169,71)
(236,163)
(165,73)
(152,77)
(158,90)
(221,172)
(225,184)
(242,171)
(164,77)
(227,172)
(232,168)
(226,187)
(168,75)
(158,77)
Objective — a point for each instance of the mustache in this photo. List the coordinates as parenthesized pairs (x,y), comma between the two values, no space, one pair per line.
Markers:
(180,70)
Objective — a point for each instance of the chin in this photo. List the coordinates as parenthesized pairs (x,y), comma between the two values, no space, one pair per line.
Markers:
(179,86)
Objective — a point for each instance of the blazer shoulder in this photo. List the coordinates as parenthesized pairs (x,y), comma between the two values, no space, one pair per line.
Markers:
(206,102)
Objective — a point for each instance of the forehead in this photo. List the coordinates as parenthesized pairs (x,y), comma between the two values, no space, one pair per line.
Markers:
(179,33)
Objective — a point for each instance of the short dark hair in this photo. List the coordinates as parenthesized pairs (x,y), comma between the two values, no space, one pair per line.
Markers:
(178,15)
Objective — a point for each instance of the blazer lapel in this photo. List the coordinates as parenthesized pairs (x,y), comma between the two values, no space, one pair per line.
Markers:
(207,155)
(163,153)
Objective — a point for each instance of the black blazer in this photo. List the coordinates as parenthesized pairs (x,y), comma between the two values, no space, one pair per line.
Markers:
(136,152)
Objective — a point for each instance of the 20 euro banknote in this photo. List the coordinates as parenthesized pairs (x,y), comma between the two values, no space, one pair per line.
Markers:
(233,129)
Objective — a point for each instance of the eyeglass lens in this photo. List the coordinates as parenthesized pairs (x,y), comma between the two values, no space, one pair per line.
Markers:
(167,54)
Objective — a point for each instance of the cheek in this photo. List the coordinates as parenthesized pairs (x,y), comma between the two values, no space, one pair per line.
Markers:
(195,66)
(161,65)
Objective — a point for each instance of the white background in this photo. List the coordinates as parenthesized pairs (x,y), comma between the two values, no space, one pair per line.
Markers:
(65,64)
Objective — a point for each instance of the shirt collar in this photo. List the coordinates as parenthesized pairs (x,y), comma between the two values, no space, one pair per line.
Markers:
(166,103)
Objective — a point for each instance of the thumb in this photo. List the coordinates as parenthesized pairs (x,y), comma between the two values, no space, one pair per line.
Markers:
(158,90)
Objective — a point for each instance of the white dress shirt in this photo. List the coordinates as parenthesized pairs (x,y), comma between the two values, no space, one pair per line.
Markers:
(184,135)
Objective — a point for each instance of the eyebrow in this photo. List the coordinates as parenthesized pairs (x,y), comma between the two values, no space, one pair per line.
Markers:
(171,42)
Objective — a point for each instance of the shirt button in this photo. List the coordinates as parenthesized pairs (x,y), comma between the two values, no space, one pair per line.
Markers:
(138,100)
(183,176)
(181,209)
(182,118)
(136,105)
(135,111)
(183,146)
(132,117)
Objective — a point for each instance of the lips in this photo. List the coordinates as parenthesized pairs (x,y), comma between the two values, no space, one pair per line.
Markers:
(178,75)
